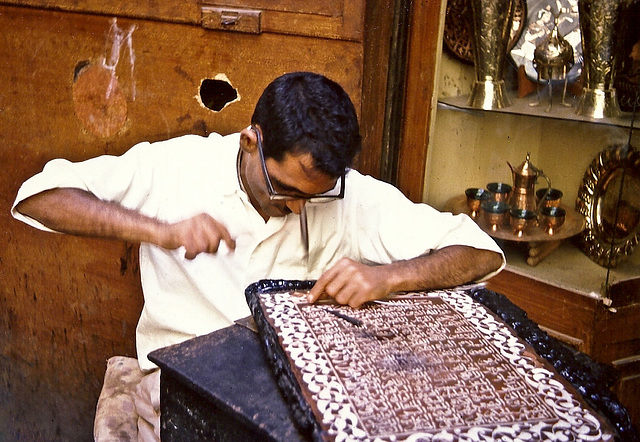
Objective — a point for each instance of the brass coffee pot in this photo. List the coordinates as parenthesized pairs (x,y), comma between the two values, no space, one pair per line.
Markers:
(525,178)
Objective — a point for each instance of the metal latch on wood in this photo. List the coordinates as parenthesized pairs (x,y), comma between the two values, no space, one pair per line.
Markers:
(237,20)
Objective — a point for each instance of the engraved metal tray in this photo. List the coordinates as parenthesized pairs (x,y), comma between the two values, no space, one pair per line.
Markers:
(419,366)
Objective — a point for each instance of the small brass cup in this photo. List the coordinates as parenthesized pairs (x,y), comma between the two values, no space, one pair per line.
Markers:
(553,198)
(495,214)
(552,218)
(521,220)
(500,191)
(475,197)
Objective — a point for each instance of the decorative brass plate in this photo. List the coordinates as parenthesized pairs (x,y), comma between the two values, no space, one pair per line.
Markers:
(609,198)
(458,33)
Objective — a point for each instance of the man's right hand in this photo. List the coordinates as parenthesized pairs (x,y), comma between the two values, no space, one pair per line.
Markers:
(199,234)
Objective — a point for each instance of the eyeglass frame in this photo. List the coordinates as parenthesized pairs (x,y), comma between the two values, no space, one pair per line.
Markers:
(275,196)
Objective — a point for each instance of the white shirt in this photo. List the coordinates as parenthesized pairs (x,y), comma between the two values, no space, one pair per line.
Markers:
(182,177)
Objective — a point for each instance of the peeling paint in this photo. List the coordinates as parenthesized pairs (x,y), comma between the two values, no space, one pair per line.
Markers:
(101,114)
(117,38)
(100,104)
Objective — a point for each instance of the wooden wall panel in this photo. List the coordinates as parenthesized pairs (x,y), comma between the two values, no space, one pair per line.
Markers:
(339,19)
(42,49)
(67,304)
(182,11)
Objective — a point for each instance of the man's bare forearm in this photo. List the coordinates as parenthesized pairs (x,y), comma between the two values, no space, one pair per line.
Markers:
(447,267)
(353,283)
(77,212)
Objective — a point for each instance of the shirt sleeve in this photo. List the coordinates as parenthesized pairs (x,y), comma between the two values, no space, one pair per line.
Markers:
(108,177)
(143,179)
(390,227)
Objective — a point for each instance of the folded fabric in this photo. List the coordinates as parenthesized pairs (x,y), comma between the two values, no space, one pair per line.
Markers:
(116,416)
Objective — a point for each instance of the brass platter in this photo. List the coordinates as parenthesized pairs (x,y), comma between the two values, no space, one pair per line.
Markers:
(574,223)
(609,198)
(458,33)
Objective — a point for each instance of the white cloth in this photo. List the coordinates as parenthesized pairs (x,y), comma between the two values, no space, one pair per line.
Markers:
(147,402)
(175,179)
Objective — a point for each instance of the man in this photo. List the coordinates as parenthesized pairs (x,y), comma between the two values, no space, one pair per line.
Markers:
(213,218)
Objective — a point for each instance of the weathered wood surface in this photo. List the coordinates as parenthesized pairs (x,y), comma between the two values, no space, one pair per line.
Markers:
(67,304)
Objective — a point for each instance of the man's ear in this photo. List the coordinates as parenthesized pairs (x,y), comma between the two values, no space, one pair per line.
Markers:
(248,140)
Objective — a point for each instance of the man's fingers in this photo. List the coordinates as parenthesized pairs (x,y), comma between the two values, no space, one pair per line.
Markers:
(226,237)
(220,233)
(318,288)
(330,283)
(203,234)
(350,283)
(316,291)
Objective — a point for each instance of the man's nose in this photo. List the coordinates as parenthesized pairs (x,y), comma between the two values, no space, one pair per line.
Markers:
(296,205)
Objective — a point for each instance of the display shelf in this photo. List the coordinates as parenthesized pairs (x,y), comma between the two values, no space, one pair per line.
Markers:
(521,106)
(570,269)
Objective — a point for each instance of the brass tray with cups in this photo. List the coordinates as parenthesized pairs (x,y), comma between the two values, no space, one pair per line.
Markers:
(522,213)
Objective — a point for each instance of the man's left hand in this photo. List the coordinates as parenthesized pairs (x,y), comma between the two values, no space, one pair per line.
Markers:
(353,283)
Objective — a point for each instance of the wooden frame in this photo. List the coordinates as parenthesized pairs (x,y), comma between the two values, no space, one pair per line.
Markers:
(411,97)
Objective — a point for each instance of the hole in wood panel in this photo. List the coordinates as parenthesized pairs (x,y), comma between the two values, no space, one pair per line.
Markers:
(215,94)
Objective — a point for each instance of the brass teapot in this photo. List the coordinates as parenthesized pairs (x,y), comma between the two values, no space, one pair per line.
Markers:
(525,178)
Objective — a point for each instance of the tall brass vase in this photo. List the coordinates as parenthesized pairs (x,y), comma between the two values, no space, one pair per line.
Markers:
(492,20)
(598,20)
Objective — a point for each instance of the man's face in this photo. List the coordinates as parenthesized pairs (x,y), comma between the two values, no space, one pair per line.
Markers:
(294,175)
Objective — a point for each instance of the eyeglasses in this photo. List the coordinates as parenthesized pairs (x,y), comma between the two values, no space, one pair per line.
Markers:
(318,198)
(331,195)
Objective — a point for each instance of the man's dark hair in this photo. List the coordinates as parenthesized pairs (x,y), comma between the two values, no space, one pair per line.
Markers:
(307,112)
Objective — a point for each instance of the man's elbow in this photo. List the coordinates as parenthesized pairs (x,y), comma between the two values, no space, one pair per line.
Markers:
(496,261)
(492,263)
(40,206)
(23,207)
